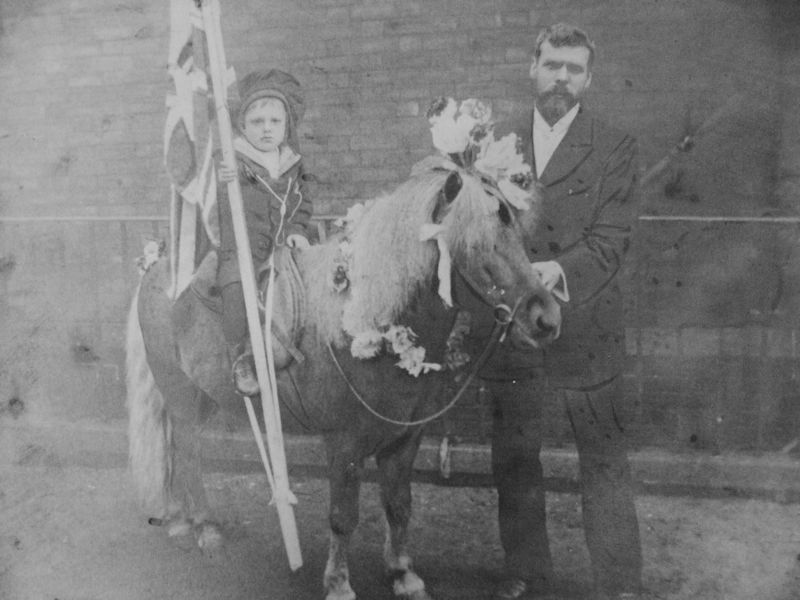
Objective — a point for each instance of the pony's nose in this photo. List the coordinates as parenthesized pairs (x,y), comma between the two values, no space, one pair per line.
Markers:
(543,326)
(546,316)
(546,328)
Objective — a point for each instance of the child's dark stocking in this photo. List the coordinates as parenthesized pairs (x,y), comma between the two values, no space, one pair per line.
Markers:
(234,327)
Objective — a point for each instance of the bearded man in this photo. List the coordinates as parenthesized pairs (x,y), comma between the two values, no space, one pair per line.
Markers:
(587,173)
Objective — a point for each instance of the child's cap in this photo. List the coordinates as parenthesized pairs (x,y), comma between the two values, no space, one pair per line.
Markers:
(273,83)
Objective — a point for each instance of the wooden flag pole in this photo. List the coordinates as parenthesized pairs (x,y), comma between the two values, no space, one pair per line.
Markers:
(281,494)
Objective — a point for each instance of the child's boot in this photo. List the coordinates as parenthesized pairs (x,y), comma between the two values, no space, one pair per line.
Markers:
(243,369)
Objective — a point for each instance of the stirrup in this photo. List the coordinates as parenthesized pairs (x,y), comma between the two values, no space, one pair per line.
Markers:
(244,375)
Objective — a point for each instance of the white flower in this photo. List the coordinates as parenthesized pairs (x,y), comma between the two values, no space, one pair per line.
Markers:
(413,361)
(516,196)
(346,250)
(400,338)
(339,275)
(518,167)
(450,132)
(499,157)
(353,216)
(428,366)
(366,344)
(153,250)
(477,110)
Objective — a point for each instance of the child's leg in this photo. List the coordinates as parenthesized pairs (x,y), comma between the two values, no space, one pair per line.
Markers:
(234,328)
(234,315)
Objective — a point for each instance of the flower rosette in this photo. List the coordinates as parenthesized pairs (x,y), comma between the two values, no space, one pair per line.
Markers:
(464,133)
(339,277)
(459,131)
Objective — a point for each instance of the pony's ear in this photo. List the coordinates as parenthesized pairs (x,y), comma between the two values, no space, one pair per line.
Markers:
(448,193)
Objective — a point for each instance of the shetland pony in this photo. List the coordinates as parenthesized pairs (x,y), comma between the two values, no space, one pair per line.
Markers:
(178,372)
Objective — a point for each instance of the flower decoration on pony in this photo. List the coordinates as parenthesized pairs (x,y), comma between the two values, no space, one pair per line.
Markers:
(464,134)
(397,340)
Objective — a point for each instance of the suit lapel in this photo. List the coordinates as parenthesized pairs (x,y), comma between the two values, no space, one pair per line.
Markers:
(572,150)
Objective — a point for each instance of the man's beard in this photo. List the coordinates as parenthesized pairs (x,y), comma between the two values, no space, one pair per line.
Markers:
(555,103)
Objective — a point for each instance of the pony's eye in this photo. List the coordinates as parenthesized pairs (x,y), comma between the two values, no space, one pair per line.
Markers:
(504,213)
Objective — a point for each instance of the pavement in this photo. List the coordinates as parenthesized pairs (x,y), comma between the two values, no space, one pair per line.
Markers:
(770,476)
(75,533)
(713,527)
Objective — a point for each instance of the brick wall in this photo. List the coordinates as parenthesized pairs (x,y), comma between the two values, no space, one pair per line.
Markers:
(712,303)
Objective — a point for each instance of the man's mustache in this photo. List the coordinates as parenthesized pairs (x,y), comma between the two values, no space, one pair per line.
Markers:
(558,91)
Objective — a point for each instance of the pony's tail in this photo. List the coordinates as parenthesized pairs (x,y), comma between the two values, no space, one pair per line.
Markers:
(149,425)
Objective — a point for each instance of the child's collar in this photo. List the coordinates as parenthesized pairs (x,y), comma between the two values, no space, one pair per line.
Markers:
(287,157)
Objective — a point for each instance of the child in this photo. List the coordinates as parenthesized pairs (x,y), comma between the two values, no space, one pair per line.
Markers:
(276,205)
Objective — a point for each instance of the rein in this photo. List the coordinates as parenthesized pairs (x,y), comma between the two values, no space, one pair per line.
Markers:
(503,317)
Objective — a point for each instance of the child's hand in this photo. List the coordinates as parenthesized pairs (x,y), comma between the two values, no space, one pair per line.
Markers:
(226,173)
(298,241)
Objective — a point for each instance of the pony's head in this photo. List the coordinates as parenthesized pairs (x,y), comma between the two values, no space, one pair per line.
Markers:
(444,212)
(485,235)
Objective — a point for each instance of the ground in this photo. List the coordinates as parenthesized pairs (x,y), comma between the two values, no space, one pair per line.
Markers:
(75,533)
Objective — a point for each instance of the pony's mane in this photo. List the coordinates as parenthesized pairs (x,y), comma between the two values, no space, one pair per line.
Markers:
(389,261)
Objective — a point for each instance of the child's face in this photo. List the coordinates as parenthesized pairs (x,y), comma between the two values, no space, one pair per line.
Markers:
(265,124)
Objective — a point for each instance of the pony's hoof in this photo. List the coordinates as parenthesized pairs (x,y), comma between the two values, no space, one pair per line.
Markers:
(345,593)
(179,532)
(178,528)
(210,540)
(410,587)
(420,595)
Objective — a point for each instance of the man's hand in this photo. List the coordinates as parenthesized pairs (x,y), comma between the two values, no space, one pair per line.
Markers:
(298,241)
(553,278)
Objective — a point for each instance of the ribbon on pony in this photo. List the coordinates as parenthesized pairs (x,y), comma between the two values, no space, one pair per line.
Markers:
(435,231)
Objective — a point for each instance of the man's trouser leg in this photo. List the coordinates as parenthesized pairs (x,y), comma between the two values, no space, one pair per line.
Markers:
(517,471)
(609,513)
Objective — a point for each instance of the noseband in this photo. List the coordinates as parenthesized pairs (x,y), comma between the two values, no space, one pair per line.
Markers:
(503,314)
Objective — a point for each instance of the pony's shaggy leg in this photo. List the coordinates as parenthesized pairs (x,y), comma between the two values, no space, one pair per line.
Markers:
(395,466)
(337,575)
(345,483)
(187,489)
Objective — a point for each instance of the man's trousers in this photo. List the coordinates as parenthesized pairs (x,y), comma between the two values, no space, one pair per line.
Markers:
(609,514)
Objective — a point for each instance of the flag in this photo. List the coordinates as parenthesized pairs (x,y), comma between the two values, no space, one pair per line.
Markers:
(189,143)
(197,65)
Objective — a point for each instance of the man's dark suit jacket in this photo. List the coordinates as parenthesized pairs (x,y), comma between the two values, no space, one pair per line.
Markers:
(587,211)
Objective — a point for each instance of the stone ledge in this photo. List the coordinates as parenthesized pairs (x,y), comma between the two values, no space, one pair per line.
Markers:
(773,476)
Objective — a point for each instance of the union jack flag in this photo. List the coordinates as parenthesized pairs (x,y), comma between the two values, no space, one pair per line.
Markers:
(189,143)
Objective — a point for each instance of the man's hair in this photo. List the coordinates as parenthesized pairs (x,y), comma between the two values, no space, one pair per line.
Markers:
(561,35)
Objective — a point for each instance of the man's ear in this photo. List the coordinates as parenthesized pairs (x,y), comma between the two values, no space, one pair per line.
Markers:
(532,70)
(588,80)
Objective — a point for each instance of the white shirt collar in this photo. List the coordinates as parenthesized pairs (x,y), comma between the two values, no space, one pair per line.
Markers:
(560,127)
(546,139)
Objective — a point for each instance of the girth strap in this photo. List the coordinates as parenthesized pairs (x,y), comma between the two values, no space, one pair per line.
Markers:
(289,303)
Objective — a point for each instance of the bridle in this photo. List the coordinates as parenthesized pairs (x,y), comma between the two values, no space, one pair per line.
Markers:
(504,316)
(498,308)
